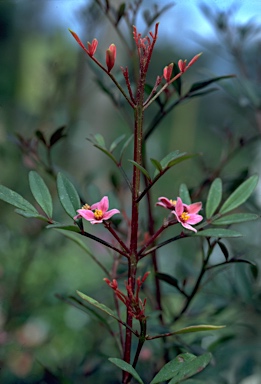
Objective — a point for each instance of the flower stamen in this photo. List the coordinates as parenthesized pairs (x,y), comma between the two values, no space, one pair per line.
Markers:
(98,214)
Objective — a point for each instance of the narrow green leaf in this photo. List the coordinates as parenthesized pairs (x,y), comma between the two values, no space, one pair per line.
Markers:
(156,164)
(120,12)
(218,232)
(71,228)
(193,381)
(100,140)
(101,306)
(199,328)
(171,156)
(179,159)
(202,84)
(184,194)
(57,135)
(214,197)
(177,83)
(236,218)
(68,195)
(143,170)
(13,198)
(41,193)
(191,368)
(30,214)
(224,250)
(40,136)
(126,367)
(168,279)
(173,367)
(240,195)
(116,142)
(104,150)
(125,145)
(202,93)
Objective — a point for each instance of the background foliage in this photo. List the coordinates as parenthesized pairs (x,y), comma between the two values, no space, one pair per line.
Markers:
(46,84)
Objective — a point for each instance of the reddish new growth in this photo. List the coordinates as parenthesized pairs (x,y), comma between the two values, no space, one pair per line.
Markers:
(145,47)
(133,303)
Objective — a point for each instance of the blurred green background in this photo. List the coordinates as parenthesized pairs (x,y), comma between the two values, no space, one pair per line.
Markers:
(47,82)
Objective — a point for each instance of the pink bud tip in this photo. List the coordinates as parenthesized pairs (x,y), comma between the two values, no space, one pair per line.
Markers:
(167,72)
(111,57)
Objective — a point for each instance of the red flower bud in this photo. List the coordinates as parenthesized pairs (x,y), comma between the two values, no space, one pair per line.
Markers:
(182,65)
(111,57)
(167,72)
(92,47)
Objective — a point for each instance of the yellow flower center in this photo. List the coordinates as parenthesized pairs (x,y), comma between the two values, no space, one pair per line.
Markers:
(86,206)
(184,216)
(98,214)
(173,202)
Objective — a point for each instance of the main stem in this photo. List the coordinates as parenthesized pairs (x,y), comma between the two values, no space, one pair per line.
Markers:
(133,260)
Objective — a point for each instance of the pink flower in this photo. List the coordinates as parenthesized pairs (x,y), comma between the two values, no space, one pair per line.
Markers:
(166,203)
(187,214)
(97,212)
(167,72)
(111,57)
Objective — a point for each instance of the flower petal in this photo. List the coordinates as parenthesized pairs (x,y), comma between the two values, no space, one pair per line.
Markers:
(179,208)
(164,202)
(187,226)
(86,214)
(103,205)
(194,208)
(194,219)
(107,215)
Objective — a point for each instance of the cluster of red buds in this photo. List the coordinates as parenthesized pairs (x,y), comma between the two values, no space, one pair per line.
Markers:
(132,301)
(110,52)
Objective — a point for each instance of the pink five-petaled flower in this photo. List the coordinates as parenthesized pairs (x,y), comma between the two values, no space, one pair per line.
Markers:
(111,57)
(167,72)
(97,212)
(166,203)
(187,214)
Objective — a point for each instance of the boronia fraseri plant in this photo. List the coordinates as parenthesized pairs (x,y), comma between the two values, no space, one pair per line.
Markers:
(207,223)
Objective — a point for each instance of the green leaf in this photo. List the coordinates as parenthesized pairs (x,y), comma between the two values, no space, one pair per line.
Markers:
(40,136)
(214,197)
(173,367)
(116,142)
(168,279)
(104,150)
(177,83)
(224,250)
(170,157)
(143,170)
(236,218)
(71,228)
(101,306)
(156,164)
(125,145)
(184,194)
(13,198)
(41,193)
(68,195)
(202,84)
(99,139)
(240,195)
(218,232)
(191,368)
(57,136)
(126,367)
(120,12)
(193,381)
(30,214)
(199,328)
